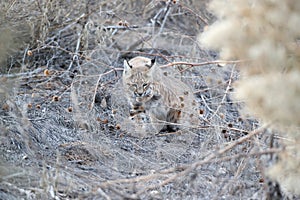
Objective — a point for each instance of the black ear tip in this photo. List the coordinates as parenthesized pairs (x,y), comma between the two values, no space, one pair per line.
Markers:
(153,61)
(127,61)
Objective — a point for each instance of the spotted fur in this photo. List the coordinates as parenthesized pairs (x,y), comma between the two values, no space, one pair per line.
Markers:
(150,92)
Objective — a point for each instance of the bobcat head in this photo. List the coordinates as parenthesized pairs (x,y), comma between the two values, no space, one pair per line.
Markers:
(138,78)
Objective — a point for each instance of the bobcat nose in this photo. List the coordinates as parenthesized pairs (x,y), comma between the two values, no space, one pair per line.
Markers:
(139,94)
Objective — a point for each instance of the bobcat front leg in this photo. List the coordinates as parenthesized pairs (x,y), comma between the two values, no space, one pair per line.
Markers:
(136,108)
(138,113)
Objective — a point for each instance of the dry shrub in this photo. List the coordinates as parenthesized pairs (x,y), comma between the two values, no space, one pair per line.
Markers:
(59,138)
(280,104)
(266,34)
(256,30)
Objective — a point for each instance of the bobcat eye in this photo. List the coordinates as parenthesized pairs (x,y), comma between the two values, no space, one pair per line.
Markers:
(145,85)
(132,87)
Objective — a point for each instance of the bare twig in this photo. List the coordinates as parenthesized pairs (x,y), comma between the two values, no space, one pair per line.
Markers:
(75,56)
(106,28)
(24,74)
(201,64)
(194,13)
(102,193)
(225,93)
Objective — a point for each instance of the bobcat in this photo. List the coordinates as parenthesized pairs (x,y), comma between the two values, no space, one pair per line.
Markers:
(167,101)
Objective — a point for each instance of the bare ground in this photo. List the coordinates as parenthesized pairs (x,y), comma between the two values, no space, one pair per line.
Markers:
(60,138)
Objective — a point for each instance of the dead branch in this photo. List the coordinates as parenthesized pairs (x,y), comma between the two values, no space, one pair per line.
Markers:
(219,62)
(225,93)
(181,171)
(207,159)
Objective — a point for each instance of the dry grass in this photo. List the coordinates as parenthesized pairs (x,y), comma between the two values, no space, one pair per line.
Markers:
(59,137)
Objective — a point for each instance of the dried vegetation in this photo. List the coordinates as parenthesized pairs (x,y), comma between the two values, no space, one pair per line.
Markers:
(266,35)
(60,64)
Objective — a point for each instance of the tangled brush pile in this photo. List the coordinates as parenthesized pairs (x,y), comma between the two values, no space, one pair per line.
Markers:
(266,34)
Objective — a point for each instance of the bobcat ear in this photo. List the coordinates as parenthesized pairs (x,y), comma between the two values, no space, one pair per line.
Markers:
(127,66)
(152,62)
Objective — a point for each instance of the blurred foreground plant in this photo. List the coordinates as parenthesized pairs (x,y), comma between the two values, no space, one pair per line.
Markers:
(266,33)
